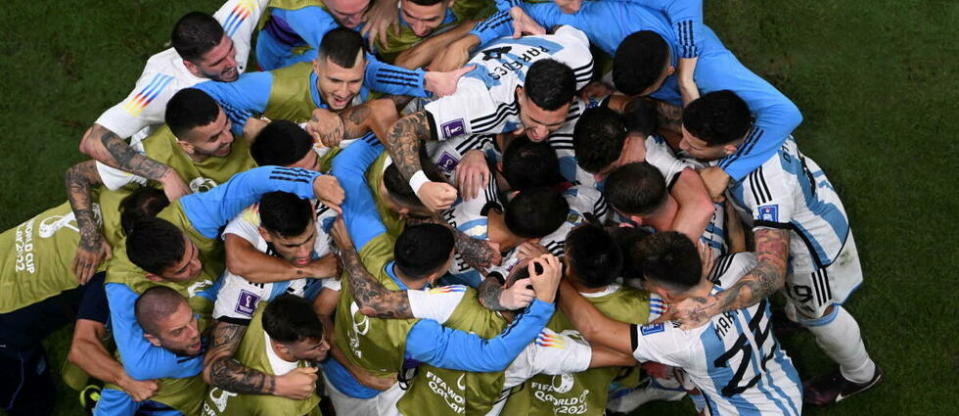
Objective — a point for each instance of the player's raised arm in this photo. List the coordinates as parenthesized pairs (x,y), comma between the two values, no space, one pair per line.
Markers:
(769,275)
(403,143)
(106,147)
(596,327)
(92,248)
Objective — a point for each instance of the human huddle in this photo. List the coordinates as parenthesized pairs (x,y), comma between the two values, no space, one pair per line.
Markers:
(437,207)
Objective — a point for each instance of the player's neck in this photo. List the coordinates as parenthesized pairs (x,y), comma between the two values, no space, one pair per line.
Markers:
(583,289)
(499,233)
(414,284)
(280,353)
(701,290)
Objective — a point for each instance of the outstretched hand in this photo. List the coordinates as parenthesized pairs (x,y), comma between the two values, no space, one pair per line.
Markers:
(442,84)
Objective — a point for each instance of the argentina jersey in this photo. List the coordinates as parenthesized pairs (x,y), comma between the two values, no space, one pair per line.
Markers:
(790,191)
(485,98)
(734,360)
(469,217)
(585,204)
(562,142)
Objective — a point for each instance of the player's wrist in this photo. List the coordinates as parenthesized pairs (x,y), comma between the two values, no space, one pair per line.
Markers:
(417,181)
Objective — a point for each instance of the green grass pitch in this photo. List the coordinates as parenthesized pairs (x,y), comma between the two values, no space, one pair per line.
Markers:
(874,80)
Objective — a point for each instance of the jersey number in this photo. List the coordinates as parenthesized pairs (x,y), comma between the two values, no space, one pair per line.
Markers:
(760,331)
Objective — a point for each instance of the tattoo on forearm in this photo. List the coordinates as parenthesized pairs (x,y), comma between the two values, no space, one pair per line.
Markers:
(355,120)
(475,252)
(400,101)
(404,142)
(79,179)
(226,372)
(129,160)
(371,296)
(764,279)
(489,292)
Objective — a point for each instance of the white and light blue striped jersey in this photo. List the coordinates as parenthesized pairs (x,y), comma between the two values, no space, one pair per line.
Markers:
(238,297)
(469,217)
(585,202)
(165,74)
(734,359)
(790,191)
(485,98)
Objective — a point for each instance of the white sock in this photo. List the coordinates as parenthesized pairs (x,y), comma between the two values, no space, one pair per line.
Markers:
(838,335)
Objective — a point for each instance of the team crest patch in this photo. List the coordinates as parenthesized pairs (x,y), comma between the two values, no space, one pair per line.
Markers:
(573,218)
(769,213)
(247,303)
(453,128)
(652,329)
(447,162)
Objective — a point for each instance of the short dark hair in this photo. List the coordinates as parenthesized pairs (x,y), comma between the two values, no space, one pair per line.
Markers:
(154,304)
(671,259)
(340,46)
(636,188)
(718,117)
(285,214)
(594,257)
(628,239)
(154,244)
(598,139)
(280,143)
(535,213)
(550,84)
(399,188)
(141,203)
(188,109)
(195,34)
(422,249)
(528,164)
(640,117)
(639,61)
(289,318)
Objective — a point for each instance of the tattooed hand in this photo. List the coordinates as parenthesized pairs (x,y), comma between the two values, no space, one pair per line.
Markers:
(478,254)
(518,296)
(326,127)
(92,250)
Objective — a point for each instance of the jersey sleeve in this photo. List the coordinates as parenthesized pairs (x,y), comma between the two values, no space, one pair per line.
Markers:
(776,116)
(393,80)
(237,299)
(145,106)
(431,343)
(239,19)
(470,110)
(553,354)
(498,25)
(240,99)
(211,210)
(114,178)
(770,206)
(245,226)
(359,208)
(728,269)
(437,303)
(661,157)
(662,343)
(141,359)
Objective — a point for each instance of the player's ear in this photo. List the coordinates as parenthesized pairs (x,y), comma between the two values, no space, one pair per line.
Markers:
(186,146)
(520,93)
(265,234)
(152,339)
(195,70)
(154,277)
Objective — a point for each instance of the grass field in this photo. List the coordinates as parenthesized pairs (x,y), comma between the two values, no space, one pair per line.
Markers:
(875,81)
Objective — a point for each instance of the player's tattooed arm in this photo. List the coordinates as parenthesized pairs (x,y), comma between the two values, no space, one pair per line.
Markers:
(475,252)
(489,292)
(372,298)
(223,371)
(376,116)
(768,276)
(118,154)
(92,248)
(403,142)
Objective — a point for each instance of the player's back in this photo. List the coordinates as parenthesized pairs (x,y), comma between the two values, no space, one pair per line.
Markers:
(791,191)
(737,362)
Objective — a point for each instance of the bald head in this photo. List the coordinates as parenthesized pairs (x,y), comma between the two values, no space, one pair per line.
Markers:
(156,304)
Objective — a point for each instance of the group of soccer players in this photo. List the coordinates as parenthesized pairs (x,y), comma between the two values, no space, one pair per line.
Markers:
(437,207)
